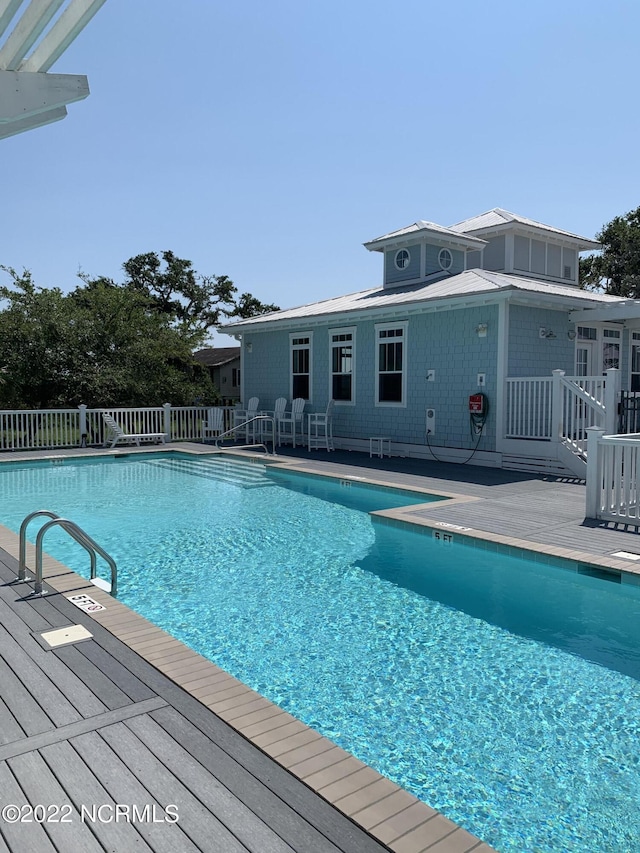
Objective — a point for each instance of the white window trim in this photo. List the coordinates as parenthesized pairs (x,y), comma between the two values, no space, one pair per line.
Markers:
(348,330)
(440,264)
(379,327)
(395,259)
(309,346)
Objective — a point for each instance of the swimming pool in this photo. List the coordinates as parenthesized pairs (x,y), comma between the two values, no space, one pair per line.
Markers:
(501,691)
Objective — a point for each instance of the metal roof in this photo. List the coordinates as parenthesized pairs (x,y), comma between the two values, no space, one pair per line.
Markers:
(425,228)
(469,283)
(499,217)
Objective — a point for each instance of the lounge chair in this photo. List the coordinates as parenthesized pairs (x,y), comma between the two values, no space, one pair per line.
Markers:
(213,425)
(321,428)
(120,435)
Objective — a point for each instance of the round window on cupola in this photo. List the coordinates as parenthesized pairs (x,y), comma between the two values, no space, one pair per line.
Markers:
(402,259)
(445,259)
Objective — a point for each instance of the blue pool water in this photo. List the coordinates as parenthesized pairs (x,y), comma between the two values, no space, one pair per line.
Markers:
(503,692)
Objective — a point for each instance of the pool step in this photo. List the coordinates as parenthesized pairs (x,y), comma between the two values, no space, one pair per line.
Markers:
(245,474)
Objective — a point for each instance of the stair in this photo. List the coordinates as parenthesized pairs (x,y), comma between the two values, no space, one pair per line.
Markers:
(246,475)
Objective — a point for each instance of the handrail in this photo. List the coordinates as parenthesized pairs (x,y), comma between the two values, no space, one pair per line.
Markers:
(250,421)
(77,533)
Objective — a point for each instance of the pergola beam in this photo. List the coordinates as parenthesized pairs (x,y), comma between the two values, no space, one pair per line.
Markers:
(71,22)
(8,8)
(20,125)
(26,32)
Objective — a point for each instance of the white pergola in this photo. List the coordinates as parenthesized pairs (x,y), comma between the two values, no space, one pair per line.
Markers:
(30,42)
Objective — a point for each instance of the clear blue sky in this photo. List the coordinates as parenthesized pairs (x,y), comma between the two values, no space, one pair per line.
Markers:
(268,141)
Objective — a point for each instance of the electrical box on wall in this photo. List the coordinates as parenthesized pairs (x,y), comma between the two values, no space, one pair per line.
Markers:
(431,421)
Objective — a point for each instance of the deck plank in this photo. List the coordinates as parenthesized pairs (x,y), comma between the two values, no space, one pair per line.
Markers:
(164,783)
(40,786)
(19,836)
(83,789)
(239,818)
(124,788)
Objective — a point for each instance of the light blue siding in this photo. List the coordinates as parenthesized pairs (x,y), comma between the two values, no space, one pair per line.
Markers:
(531,355)
(392,275)
(445,341)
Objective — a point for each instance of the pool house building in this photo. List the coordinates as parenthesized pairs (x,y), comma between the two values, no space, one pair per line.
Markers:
(478,341)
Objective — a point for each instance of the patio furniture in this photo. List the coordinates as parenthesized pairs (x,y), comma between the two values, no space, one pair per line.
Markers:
(269,429)
(241,416)
(320,426)
(136,437)
(380,445)
(213,425)
(287,423)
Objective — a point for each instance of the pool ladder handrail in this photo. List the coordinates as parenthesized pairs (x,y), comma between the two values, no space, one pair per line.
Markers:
(252,446)
(77,533)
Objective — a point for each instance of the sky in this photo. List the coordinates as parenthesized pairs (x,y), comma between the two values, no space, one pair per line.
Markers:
(269,141)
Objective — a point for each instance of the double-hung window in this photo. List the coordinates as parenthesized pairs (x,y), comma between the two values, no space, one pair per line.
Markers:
(342,344)
(391,374)
(300,344)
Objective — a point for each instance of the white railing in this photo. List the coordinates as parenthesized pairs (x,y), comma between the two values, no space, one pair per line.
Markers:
(613,466)
(583,406)
(40,429)
(561,408)
(529,402)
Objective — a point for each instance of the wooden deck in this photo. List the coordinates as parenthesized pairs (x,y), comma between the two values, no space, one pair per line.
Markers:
(132,717)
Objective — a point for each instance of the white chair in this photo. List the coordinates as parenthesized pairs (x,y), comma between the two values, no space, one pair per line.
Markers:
(269,429)
(287,423)
(321,428)
(213,424)
(241,416)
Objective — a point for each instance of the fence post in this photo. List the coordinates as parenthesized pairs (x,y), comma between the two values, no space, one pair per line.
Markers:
(83,424)
(594,449)
(167,421)
(557,409)
(611,398)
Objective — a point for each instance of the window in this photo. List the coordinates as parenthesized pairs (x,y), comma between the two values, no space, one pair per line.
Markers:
(235,377)
(300,365)
(342,358)
(587,334)
(610,349)
(402,259)
(390,364)
(635,361)
(445,259)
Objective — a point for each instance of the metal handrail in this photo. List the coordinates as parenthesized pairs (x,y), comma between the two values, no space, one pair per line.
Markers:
(250,421)
(77,533)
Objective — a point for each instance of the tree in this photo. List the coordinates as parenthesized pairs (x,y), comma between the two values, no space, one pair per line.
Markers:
(616,269)
(193,302)
(108,344)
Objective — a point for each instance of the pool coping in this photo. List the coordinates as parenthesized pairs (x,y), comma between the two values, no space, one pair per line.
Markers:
(381,807)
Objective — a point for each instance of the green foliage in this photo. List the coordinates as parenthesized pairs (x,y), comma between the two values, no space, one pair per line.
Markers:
(106,344)
(616,269)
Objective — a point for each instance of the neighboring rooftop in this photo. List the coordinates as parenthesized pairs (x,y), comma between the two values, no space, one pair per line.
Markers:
(216,356)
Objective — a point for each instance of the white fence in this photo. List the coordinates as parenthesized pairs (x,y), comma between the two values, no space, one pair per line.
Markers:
(40,429)
(561,408)
(613,464)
